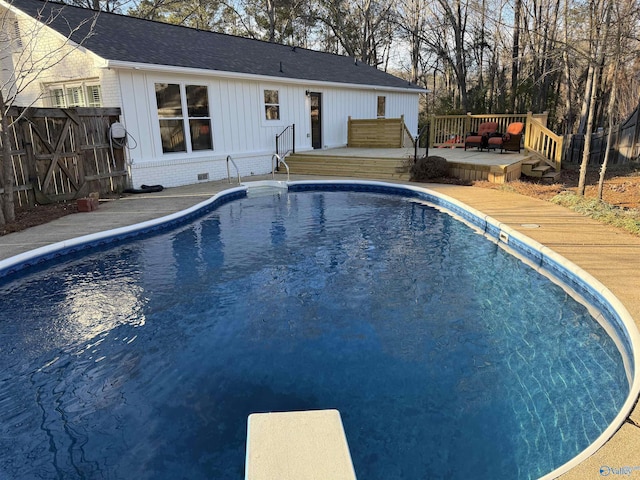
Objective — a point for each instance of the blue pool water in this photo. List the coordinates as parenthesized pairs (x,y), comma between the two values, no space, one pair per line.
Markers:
(447,357)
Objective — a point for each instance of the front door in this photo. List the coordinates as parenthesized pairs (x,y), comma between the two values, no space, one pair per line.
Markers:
(316,119)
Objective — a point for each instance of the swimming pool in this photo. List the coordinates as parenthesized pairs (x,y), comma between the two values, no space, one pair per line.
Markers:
(134,376)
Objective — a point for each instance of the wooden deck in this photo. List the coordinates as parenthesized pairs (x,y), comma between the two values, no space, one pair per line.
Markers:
(392,163)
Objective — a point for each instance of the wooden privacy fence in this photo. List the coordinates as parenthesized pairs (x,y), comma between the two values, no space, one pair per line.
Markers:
(624,148)
(64,154)
(378,133)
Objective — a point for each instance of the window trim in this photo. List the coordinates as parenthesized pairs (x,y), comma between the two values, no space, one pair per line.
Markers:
(263,106)
(267,105)
(184,117)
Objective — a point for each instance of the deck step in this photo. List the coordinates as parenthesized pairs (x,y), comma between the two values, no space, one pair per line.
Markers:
(365,167)
(551,177)
(541,168)
(537,168)
(531,161)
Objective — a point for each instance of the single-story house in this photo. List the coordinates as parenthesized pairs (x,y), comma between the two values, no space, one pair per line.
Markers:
(189,98)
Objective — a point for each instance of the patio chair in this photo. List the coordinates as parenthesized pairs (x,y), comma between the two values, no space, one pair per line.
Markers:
(509,141)
(481,137)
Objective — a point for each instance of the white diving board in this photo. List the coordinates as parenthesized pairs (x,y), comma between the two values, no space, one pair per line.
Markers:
(308,445)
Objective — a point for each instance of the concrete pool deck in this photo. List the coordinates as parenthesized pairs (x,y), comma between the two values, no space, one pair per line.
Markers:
(610,255)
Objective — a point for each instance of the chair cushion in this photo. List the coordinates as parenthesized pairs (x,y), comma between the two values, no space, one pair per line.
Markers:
(515,128)
(487,128)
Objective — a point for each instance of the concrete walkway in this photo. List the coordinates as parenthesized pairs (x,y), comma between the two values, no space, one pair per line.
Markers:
(610,255)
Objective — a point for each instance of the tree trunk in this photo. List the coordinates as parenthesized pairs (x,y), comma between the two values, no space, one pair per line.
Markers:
(7,167)
(593,67)
(567,74)
(612,101)
(515,54)
(610,108)
(271,13)
(586,152)
(584,112)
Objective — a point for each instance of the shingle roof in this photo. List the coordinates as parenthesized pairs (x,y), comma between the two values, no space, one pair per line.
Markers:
(129,39)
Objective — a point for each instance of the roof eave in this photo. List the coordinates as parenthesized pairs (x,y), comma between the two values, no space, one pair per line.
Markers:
(119,64)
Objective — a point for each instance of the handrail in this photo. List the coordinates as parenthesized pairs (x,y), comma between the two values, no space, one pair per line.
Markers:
(542,142)
(277,164)
(406,134)
(424,129)
(287,136)
(236,167)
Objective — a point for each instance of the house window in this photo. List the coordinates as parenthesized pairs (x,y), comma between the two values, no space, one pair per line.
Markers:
(74,95)
(271,105)
(382,104)
(94,96)
(185,123)
(57,98)
(199,119)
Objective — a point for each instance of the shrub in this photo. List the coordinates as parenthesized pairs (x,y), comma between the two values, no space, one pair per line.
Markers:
(428,168)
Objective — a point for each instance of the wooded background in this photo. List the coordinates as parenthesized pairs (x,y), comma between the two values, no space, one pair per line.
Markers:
(478,56)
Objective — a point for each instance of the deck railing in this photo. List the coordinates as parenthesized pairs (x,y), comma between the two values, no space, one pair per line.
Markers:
(378,133)
(543,143)
(451,130)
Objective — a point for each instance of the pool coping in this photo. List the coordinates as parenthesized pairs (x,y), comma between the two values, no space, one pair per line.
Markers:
(536,254)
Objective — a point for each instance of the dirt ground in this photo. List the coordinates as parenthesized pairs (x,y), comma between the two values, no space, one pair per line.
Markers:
(622,189)
(38,215)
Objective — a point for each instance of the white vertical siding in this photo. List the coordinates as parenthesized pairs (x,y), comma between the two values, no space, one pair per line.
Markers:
(238,125)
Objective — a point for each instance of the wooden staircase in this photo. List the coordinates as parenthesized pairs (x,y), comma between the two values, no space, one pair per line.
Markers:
(535,166)
(370,142)
(345,166)
(545,152)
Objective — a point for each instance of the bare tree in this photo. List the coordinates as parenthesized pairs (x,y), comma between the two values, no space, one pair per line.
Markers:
(412,21)
(600,15)
(515,53)
(23,63)
(99,5)
(567,73)
(361,27)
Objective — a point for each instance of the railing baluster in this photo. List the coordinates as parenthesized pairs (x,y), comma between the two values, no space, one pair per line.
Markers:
(286,141)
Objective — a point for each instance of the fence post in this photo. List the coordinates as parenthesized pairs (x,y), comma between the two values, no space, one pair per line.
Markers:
(528,133)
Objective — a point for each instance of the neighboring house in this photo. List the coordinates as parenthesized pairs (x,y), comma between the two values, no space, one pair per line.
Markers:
(189,98)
